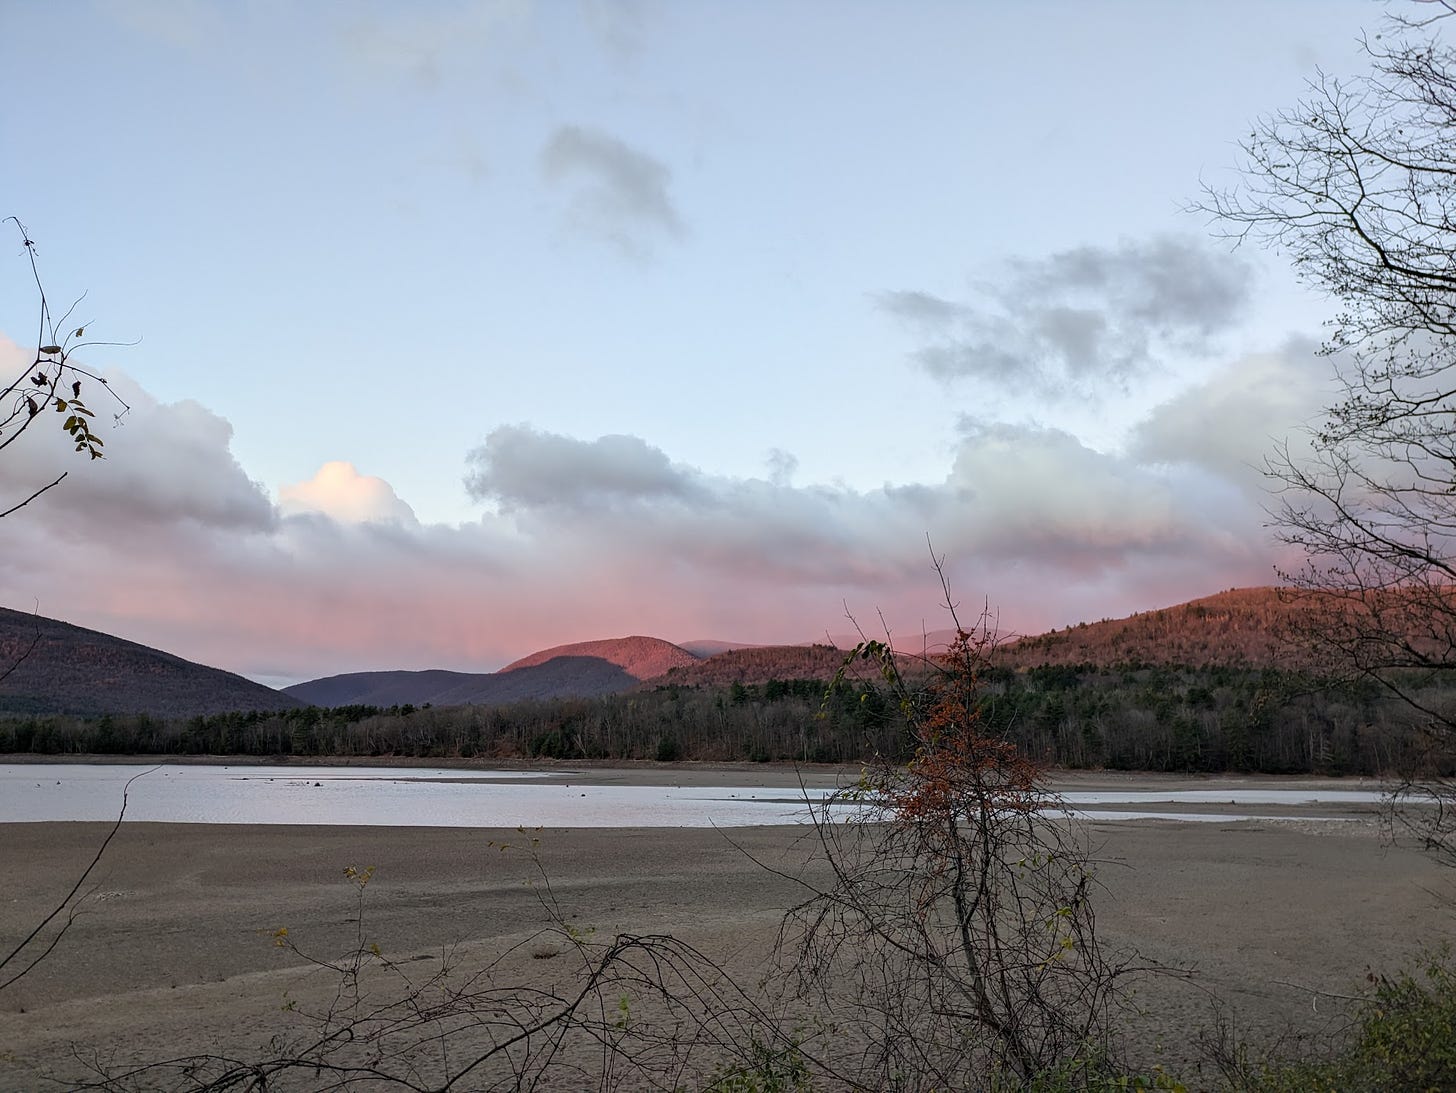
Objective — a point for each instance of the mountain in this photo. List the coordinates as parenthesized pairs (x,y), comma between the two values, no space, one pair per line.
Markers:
(1242,627)
(1238,628)
(60,668)
(586,669)
(639,657)
(757,664)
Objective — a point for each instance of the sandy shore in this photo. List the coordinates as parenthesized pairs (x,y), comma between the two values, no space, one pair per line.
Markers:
(173,951)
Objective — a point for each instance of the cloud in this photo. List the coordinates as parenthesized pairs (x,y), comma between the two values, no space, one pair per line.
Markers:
(921,309)
(166,463)
(520,467)
(343,494)
(781,466)
(1241,411)
(1018,497)
(618,194)
(169,542)
(1079,319)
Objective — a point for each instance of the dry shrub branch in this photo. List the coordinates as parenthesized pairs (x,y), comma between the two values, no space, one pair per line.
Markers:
(957,943)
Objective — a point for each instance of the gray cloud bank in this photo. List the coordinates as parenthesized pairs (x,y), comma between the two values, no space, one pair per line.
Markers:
(1079,319)
(169,542)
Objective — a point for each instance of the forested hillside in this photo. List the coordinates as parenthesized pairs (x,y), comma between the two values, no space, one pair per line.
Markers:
(51,666)
(1243,627)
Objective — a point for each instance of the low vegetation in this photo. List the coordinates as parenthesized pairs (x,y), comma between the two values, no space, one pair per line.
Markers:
(1403,1037)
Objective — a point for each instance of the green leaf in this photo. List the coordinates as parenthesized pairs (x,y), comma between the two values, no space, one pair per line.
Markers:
(60,405)
(49,349)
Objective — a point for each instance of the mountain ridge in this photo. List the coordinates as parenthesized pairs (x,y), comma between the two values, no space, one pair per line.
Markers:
(583,669)
(51,666)
(62,668)
(1237,627)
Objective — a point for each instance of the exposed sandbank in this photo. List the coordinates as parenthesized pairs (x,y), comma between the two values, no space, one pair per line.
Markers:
(173,954)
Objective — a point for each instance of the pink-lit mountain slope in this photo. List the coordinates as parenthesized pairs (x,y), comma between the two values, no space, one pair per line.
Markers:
(640,657)
(1242,627)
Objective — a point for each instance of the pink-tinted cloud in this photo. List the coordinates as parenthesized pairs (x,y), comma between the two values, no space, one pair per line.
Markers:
(169,542)
(341,493)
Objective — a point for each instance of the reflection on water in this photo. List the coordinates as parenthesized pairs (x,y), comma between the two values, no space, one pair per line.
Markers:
(416,797)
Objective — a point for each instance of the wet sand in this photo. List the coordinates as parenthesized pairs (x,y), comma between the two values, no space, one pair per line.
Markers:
(173,950)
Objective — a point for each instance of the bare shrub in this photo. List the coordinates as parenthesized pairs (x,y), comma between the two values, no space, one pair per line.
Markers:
(957,943)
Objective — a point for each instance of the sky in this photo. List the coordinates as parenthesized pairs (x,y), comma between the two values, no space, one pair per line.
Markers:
(456,330)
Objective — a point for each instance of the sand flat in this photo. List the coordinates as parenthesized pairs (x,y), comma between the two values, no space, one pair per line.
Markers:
(173,950)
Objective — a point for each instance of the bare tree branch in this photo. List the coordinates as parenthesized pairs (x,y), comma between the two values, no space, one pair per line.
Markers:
(66,904)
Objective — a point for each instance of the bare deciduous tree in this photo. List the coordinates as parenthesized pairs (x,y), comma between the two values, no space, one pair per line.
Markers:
(1356,185)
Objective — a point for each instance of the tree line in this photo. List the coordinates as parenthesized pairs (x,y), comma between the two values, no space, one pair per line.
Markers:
(1143,718)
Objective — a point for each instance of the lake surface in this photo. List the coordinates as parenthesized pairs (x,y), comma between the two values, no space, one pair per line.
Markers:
(416,797)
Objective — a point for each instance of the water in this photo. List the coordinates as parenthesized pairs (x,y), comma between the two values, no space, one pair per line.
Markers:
(415,797)
(384,796)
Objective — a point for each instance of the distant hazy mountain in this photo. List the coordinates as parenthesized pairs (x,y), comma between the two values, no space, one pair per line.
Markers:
(711,647)
(583,670)
(60,668)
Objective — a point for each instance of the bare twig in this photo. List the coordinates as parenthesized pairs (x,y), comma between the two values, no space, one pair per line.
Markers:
(64,904)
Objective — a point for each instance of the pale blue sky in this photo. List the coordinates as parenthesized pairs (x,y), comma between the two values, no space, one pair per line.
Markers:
(380,232)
